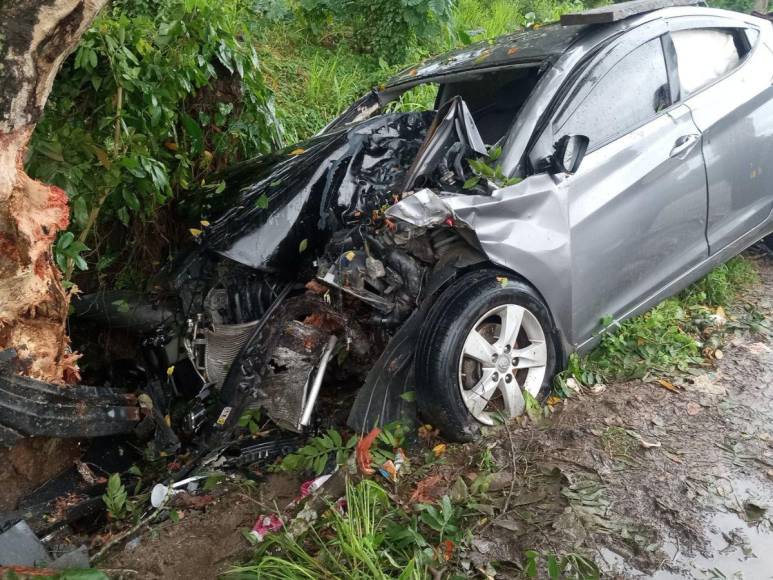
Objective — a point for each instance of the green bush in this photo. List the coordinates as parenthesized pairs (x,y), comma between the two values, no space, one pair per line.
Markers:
(156,95)
(388,28)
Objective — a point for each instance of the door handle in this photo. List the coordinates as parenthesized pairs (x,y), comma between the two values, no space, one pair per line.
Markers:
(684,144)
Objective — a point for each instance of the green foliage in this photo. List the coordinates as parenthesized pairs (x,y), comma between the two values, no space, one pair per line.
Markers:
(156,95)
(558,567)
(388,28)
(372,538)
(721,285)
(116,499)
(315,455)
(250,419)
(667,338)
(745,6)
(488,169)
(67,250)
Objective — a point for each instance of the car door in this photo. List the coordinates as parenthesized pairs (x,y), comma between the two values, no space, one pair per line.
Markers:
(726,83)
(637,204)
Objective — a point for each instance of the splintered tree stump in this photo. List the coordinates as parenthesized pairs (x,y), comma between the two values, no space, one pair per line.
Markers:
(35,38)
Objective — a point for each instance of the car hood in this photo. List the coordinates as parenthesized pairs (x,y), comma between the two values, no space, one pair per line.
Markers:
(277,210)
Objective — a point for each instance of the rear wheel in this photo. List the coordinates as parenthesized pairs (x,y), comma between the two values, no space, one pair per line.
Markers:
(487,340)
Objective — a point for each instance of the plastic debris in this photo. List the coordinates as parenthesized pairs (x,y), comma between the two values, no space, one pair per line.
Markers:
(391,469)
(265,525)
(309,487)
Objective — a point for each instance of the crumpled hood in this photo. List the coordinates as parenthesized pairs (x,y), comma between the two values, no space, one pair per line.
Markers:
(278,207)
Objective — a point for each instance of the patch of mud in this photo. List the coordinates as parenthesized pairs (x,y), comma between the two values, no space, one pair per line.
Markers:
(204,543)
(29,464)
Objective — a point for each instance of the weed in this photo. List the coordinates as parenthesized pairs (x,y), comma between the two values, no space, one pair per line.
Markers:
(560,566)
(315,455)
(667,338)
(116,499)
(348,543)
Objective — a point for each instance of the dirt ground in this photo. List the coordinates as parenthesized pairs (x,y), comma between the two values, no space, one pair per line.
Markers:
(645,480)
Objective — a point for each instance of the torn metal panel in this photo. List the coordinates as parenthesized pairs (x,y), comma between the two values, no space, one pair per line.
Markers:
(452,128)
(523,227)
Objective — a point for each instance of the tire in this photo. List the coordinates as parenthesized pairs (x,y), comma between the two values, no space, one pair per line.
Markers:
(449,378)
(769,242)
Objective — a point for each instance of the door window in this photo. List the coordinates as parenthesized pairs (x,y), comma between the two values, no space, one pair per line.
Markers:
(703,55)
(629,94)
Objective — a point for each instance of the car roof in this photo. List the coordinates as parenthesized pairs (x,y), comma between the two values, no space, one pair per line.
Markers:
(535,46)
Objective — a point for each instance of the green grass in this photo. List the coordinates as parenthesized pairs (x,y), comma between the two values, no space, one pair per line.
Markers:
(316,78)
(669,338)
(358,543)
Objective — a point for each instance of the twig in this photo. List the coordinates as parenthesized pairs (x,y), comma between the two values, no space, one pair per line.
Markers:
(512,462)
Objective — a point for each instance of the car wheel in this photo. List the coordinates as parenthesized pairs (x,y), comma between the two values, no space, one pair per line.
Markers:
(487,338)
(769,242)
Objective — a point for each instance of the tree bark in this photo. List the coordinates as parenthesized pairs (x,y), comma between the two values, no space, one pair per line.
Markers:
(35,38)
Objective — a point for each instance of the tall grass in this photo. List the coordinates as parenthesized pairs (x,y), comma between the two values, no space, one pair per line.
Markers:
(350,543)
(316,78)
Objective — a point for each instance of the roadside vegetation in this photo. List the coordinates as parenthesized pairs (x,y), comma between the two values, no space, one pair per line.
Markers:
(676,334)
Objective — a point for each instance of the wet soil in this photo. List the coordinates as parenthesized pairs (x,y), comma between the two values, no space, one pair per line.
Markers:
(30,463)
(205,542)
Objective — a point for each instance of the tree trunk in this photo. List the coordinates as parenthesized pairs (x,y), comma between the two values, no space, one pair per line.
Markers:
(35,38)
(761,6)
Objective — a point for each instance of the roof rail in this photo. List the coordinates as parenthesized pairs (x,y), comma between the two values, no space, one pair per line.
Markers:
(615,12)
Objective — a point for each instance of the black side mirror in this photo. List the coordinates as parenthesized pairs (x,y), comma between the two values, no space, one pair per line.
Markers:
(568,153)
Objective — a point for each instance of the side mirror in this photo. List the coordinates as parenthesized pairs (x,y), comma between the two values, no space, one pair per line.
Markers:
(569,152)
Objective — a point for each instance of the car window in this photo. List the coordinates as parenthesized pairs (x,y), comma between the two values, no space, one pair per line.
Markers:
(629,94)
(703,55)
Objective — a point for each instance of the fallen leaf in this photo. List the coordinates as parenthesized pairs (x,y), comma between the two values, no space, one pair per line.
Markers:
(427,490)
(362,452)
(668,385)
(439,449)
(297,151)
(718,354)
(448,550)
(204,223)
(195,232)
(693,408)
(553,400)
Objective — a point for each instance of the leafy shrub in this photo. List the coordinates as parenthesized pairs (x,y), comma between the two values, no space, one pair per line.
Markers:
(156,95)
(389,28)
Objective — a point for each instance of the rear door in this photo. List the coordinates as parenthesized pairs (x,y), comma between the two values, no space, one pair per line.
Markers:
(725,77)
(637,204)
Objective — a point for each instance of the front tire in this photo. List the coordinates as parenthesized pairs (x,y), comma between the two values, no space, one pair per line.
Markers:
(487,338)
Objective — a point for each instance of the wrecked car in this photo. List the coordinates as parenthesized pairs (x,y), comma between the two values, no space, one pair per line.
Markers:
(444,262)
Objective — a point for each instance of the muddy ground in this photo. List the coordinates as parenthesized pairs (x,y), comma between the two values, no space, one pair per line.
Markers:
(645,480)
